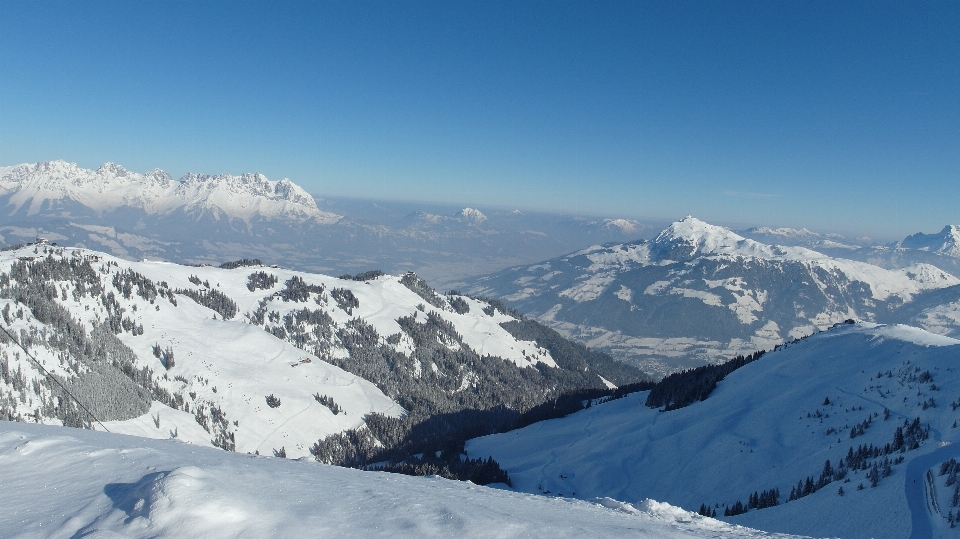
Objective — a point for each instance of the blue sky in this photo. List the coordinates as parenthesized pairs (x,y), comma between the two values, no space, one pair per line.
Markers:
(835,116)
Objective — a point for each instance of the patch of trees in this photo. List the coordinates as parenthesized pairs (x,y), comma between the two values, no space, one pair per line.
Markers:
(574,356)
(295,330)
(442,413)
(706,511)
(684,388)
(451,466)
(99,369)
(165,356)
(420,287)
(329,403)
(297,290)
(273,401)
(861,428)
(241,263)
(212,299)
(497,306)
(866,457)
(951,469)
(345,299)
(261,280)
(757,500)
(458,304)
(365,276)
(125,281)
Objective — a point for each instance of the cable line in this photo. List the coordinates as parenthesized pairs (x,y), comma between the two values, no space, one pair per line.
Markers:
(52,377)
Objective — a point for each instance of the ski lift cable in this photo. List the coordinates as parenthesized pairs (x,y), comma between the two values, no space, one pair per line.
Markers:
(52,377)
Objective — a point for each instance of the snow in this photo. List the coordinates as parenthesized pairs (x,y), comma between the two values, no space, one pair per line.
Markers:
(784,232)
(60,482)
(942,319)
(111,187)
(911,335)
(753,433)
(234,364)
(591,287)
(706,297)
(627,226)
(473,215)
(946,242)
(702,239)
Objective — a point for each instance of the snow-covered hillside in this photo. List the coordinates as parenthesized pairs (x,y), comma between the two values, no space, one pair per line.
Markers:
(58,185)
(702,292)
(878,402)
(73,483)
(252,358)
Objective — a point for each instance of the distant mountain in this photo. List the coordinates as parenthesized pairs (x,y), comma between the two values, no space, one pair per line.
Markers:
(941,250)
(699,292)
(848,433)
(209,219)
(64,188)
(256,358)
(801,238)
(947,242)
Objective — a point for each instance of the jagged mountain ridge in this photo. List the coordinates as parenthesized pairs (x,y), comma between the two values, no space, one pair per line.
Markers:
(940,249)
(204,219)
(256,358)
(54,185)
(946,242)
(700,292)
(853,395)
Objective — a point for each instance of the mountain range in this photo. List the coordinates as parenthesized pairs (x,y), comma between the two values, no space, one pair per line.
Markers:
(210,218)
(699,292)
(802,383)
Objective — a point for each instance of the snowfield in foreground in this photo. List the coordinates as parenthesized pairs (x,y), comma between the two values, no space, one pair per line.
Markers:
(61,482)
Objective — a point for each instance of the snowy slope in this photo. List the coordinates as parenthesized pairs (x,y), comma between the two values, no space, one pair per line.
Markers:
(700,292)
(282,340)
(766,426)
(47,184)
(72,483)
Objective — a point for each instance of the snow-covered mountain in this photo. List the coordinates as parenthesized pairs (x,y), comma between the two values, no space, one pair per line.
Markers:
(802,238)
(947,242)
(73,483)
(260,359)
(59,186)
(848,433)
(209,218)
(702,292)
(941,250)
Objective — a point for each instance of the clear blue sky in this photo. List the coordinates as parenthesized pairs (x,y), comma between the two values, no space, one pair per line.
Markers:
(836,116)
